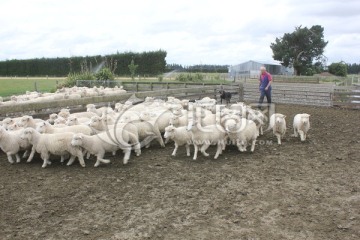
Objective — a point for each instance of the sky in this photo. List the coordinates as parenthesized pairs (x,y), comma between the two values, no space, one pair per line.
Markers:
(225,32)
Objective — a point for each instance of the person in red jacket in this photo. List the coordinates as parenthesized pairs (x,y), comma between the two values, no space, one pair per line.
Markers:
(264,86)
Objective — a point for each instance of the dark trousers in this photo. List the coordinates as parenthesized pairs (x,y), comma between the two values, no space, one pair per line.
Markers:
(264,93)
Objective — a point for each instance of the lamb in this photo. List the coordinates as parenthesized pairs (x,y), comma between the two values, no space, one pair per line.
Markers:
(247,136)
(225,95)
(56,144)
(181,136)
(105,142)
(29,121)
(206,136)
(11,143)
(301,125)
(98,125)
(278,125)
(46,127)
(147,132)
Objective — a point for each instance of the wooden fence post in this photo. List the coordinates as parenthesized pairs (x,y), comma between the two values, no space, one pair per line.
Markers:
(151,86)
(137,86)
(35,86)
(241,92)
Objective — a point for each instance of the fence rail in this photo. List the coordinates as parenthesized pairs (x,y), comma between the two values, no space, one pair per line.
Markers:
(347,97)
(304,94)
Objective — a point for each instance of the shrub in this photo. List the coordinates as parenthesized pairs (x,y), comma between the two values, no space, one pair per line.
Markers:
(104,74)
(73,77)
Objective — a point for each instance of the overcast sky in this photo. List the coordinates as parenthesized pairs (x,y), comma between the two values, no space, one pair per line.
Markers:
(192,32)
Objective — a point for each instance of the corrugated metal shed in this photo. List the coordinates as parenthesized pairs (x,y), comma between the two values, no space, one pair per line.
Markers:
(251,69)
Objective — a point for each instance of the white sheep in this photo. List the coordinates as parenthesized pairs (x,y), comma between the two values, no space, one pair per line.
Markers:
(98,125)
(56,144)
(247,136)
(11,143)
(146,132)
(46,127)
(301,125)
(29,121)
(278,125)
(206,136)
(181,136)
(105,142)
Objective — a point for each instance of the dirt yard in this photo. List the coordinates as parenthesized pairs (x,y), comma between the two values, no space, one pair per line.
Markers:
(298,190)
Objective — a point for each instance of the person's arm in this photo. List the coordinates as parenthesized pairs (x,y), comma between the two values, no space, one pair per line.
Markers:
(270,80)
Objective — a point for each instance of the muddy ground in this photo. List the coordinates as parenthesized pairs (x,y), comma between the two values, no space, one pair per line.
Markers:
(307,190)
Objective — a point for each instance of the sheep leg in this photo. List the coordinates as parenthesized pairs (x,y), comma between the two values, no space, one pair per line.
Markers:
(203,149)
(45,156)
(187,146)
(253,143)
(175,150)
(99,156)
(9,156)
(137,149)
(26,154)
(71,160)
(295,133)
(196,149)
(114,153)
(127,153)
(261,130)
(302,135)
(31,156)
(81,158)
(218,150)
(278,138)
(17,157)
(161,142)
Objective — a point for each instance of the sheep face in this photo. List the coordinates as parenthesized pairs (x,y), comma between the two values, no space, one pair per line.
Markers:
(41,128)
(24,121)
(64,114)
(52,117)
(90,108)
(13,127)
(169,132)
(280,119)
(94,121)
(77,140)
(71,121)
(305,119)
(27,134)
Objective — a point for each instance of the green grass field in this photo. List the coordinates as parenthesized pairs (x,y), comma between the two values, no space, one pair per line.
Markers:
(15,86)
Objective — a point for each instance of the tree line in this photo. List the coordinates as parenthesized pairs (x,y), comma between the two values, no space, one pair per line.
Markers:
(150,63)
(205,68)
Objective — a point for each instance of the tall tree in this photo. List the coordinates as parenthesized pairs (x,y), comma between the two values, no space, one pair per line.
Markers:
(300,49)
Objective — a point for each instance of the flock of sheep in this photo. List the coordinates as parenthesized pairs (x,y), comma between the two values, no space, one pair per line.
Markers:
(130,127)
(63,93)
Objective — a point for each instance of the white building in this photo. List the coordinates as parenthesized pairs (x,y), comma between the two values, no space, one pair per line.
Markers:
(251,69)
